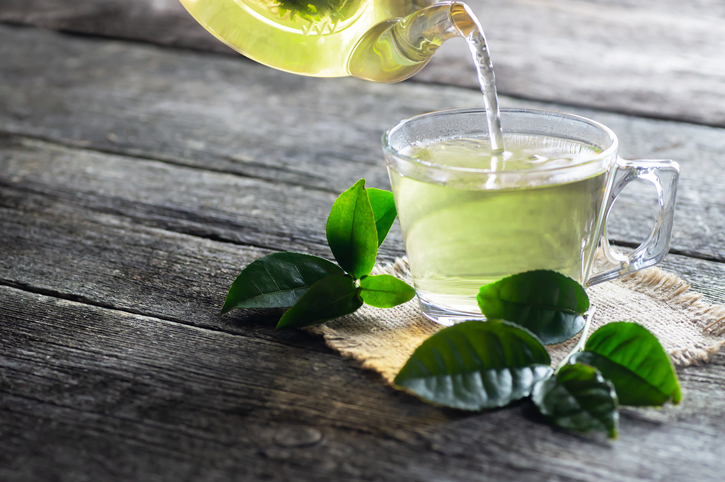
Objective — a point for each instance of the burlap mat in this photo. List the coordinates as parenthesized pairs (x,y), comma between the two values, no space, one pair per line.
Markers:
(689,329)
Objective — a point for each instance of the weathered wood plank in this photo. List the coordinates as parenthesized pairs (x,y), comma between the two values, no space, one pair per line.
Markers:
(205,112)
(94,244)
(165,22)
(191,201)
(52,246)
(100,394)
(96,393)
(117,263)
(310,141)
(655,58)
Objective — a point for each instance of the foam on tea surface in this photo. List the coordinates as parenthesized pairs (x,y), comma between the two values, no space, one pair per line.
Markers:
(529,160)
(523,152)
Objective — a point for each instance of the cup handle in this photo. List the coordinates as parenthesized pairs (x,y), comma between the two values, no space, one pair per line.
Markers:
(664,174)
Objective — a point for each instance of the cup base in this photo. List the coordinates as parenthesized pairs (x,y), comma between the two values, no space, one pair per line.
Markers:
(446,316)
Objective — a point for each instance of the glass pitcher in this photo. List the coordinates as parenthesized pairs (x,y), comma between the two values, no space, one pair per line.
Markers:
(377,40)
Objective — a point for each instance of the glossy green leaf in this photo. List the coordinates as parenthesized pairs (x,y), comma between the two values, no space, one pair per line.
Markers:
(277,280)
(630,357)
(385,291)
(329,298)
(383,205)
(475,365)
(578,398)
(547,303)
(351,231)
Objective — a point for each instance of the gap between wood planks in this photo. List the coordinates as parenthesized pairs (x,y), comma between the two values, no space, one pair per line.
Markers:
(129,153)
(72,150)
(79,146)
(100,206)
(84,300)
(220,380)
(427,81)
(172,162)
(163,290)
(189,108)
(625,56)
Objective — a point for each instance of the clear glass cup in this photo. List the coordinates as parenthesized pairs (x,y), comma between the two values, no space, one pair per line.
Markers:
(464,227)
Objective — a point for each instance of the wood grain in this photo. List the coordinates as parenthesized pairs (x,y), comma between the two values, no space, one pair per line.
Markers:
(95,393)
(658,59)
(165,22)
(193,110)
(654,58)
(136,181)
(134,255)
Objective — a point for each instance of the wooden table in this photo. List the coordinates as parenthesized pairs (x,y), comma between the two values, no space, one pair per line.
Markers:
(139,172)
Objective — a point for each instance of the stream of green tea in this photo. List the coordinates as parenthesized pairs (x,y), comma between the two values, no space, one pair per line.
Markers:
(468,25)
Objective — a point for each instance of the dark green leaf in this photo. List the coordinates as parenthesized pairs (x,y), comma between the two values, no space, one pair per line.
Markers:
(475,365)
(329,298)
(630,357)
(385,291)
(547,303)
(384,210)
(277,281)
(351,231)
(578,398)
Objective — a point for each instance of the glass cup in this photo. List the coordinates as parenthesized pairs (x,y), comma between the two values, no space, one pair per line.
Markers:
(464,227)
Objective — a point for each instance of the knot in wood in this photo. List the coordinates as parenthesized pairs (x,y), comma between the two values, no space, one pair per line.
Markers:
(292,437)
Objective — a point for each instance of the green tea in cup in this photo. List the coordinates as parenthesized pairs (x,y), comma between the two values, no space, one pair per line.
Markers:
(470,218)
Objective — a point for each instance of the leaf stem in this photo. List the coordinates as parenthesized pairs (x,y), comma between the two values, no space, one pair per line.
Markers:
(582,339)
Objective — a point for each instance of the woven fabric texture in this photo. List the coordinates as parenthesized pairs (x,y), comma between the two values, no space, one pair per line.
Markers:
(689,329)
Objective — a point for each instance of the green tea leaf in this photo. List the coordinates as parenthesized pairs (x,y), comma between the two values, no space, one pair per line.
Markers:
(277,280)
(384,210)
(578,398)
(316,10)
(329,298)
(385,291)
(547,303)
(351,231)
(630,357)
(475,365)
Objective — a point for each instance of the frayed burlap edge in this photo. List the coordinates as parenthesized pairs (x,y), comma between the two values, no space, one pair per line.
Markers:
(676,292)
(382,340)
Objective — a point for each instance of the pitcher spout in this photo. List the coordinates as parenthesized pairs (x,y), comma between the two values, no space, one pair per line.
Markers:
(396,49)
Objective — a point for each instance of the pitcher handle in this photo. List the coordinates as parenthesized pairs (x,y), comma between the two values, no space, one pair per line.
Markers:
(664,174)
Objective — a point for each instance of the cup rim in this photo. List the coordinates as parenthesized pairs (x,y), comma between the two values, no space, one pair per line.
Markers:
(605,153)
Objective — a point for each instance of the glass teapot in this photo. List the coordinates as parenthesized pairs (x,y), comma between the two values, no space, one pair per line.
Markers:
(377,40)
